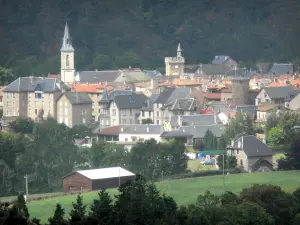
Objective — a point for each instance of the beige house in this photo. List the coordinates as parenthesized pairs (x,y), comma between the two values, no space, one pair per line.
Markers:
(251,153)
(264,110)
(74,108)
(274,95)
(31,97)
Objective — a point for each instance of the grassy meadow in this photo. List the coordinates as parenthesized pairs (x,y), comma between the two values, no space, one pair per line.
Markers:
(184,191)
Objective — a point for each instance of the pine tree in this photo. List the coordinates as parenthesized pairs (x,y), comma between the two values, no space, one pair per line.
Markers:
(101,210)
(21,205)
(77,214)
(58,218)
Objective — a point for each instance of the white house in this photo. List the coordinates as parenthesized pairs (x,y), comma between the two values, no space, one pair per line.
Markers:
(140,132)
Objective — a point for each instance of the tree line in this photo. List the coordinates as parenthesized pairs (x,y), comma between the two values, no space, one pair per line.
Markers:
(140,203)
(46,152)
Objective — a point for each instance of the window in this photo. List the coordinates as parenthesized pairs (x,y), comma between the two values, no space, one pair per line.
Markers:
(7,103)
(114,112)
(38,96)
(13,104)
(130,121)
(143,113)
(114,122)
(67,60)
(149,113)
(157,122)
(83,120)
(102,122)
(35,111)
(124,112)
(124,121)
(130,111)
(241,162)
(14,95)
(157,113)
(237,152)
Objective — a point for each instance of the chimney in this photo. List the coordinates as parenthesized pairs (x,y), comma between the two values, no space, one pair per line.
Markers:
(147,129)
(179,121)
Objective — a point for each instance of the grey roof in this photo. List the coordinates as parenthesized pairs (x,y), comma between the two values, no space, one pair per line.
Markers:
(96,77)
(31,84)
(186,104)
(252,146)
(78,98)
(279,92)
(281,68)
(264,67)
(171,94)
(67,43)
(164,95)
(195,120)
(249,109)
(142,128)
(220,59)
(239,72)
(113,94)
(134,101)
(152,73)
(213,69)
(176,133)
(199,131)
(132,76)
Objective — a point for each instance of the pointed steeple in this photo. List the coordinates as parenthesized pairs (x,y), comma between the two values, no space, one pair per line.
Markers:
(179,50)
(67,44)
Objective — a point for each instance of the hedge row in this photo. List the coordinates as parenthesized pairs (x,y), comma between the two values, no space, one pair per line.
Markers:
(200,174)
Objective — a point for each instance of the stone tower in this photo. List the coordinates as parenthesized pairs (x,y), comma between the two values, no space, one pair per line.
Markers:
(240,90)
(175,65)
(67,72)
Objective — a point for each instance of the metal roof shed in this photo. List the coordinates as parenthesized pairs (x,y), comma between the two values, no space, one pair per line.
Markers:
(96,179)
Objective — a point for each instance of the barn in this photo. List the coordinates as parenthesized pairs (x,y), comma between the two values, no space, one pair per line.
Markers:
(96,179)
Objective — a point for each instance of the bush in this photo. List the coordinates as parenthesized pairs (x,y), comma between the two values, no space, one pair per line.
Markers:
(201,174)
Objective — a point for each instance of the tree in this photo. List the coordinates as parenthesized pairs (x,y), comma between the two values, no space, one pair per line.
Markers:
(210,141)
(21,205)
(280,205)
(78,213)
(21,125)
(230,162)
(102,62)
(81,131)
(147,121)
(129,59)
(276,136)
(199,145)
(6,76)
(102,209)
(58,217)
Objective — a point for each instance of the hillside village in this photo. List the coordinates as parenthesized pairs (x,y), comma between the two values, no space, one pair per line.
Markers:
(180,101)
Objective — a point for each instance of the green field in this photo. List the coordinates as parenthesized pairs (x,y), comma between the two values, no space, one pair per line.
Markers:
(184,191)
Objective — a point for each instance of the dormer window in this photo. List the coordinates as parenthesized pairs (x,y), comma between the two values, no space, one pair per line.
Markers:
(38,95)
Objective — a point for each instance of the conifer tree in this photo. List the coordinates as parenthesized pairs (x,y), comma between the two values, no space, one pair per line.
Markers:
(78,213)
(58,217)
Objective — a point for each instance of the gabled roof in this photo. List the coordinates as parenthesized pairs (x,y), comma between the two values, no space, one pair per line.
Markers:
(134,101)
(88,88)
(103,173)
(252,146)
(220,59)
(213,69)
(78,98)
(199,131)
(186,104)
(279,92)
(264,67)
(115,130)
(152,73)
(29,84)
(175,133)
(96,77)
(195,120)
(281,68)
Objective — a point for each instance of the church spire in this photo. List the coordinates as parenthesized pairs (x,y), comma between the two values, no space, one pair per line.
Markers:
(179,50)
(67,44)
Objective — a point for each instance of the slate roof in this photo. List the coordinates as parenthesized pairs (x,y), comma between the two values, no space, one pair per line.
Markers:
(213,69)
(142,129)
(133,101)
(281,68)
(31,84)
(175,133)
(240,72)
(264,67)
(199,131)
(96,77)
(279,92)
(152,73)
(186,104)
(249,109)
(132,76)
(252,146)
(220,59)
(78,98)
(195,120)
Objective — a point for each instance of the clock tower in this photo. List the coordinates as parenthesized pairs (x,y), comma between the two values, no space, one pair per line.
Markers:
(175,65)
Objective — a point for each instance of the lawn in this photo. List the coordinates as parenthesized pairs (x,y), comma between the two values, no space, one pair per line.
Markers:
(184,191)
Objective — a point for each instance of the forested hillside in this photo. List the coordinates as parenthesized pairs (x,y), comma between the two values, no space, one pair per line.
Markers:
(31,32)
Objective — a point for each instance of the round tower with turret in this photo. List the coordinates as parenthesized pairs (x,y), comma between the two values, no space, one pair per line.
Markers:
(240,90)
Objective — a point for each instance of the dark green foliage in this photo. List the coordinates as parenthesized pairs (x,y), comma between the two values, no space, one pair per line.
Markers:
(78,213)
(21,125)
(210,141)
(21,205)
(229,198)
(147,121)
(58,217)
(230,162)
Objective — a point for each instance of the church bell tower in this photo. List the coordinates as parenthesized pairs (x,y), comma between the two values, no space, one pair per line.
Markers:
(175,65)
(67,73)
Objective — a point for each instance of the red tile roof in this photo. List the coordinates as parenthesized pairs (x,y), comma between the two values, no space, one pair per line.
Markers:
(54,76)
(212,95)
(89,88)
(111,130)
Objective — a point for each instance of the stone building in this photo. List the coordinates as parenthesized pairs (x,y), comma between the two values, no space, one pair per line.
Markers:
(175,65)
(240,90)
